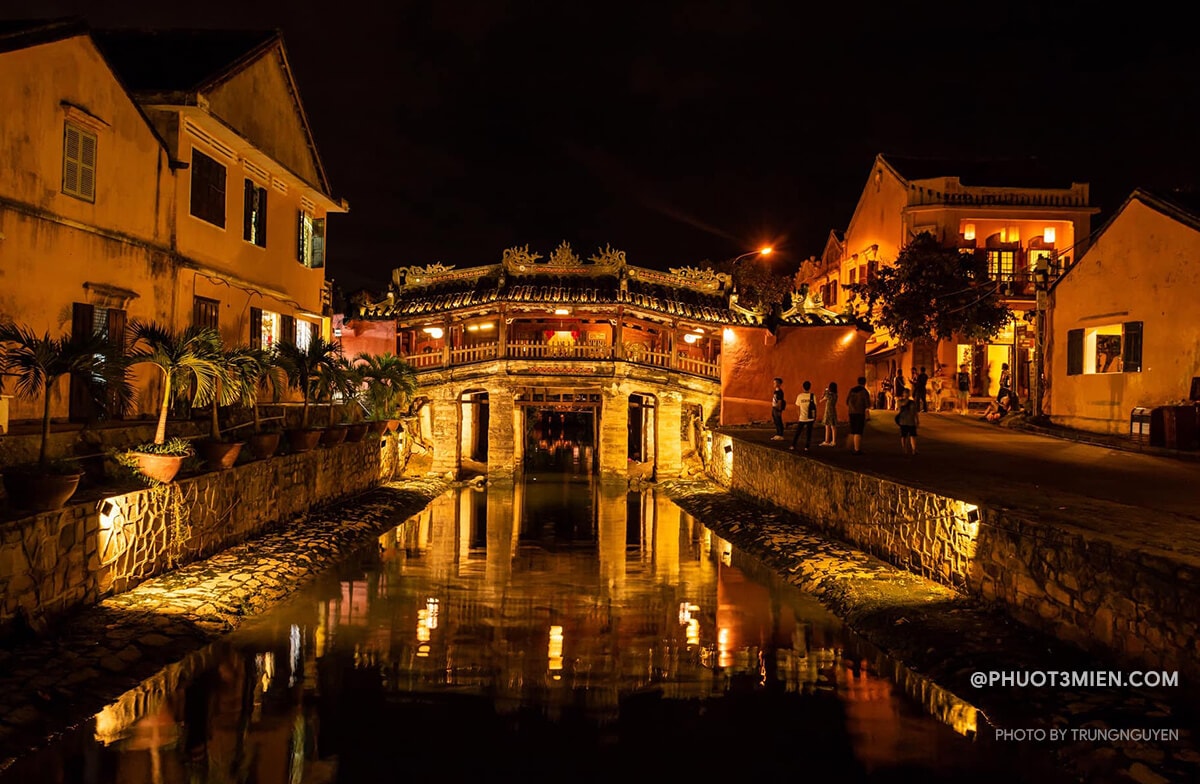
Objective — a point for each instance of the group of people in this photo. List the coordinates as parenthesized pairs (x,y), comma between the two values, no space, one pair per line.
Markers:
(917,387)
(858,405)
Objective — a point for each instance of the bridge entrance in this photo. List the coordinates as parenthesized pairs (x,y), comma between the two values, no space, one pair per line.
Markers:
(561,429)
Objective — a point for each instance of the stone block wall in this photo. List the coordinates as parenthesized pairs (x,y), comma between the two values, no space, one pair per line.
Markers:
(1142,607)
(53,562)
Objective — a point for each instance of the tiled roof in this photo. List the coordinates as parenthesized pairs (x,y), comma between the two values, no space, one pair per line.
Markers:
(465,293)
(176,60)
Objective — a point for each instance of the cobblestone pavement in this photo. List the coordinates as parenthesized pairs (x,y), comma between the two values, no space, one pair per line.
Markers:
(51,685)
(946,636)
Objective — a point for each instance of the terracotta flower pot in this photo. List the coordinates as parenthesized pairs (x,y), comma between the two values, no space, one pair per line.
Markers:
(264,445)
(356,432)
(161,468)
(393,425)
(303,439)
(376,427)
(39,492)
(333,435)
(219,455)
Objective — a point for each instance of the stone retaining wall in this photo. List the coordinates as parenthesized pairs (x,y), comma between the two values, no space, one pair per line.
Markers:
(53,562)
(1141,606)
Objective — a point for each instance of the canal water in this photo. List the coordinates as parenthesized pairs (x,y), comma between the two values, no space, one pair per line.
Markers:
(557,629)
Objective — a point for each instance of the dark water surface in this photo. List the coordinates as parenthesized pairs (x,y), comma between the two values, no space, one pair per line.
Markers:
(558,629)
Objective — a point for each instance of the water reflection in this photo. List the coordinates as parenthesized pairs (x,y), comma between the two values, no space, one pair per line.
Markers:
(559,628)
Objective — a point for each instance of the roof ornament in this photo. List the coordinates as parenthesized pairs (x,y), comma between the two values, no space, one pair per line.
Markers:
(702,279)
(518,259)
(609,258)
(563,256)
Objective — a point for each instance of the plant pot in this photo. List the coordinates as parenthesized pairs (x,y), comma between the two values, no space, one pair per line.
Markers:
(39,492)
(303,439)
(219,455)
(393,425)
(264,445)
(160,468)
(356,432)
(333,435)
(376,427)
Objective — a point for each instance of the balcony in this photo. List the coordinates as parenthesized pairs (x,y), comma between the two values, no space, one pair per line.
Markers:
(529,350)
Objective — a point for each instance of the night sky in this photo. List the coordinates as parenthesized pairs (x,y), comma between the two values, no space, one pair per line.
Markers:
(685,131)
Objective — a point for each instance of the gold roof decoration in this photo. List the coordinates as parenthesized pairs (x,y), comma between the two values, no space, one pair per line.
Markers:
(608,259)
(518,259)
(563,256)
(408,277)
(702,279)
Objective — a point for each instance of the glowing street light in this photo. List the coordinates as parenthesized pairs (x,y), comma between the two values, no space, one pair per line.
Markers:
(763,251)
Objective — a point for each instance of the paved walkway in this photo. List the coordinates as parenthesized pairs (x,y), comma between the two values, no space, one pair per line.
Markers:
(1144,501)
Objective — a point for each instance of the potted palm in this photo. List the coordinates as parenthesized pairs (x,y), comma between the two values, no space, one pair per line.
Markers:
(190,363)
(263,441)
(303,367)
(37,364)
(332,388)
(352,396)
(240,368)
(390,384)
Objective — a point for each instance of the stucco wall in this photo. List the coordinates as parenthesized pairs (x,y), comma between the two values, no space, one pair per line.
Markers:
(1138,605)
(751,357)
(53,562)
(1144,267)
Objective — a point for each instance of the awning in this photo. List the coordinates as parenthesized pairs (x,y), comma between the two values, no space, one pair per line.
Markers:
(882,351)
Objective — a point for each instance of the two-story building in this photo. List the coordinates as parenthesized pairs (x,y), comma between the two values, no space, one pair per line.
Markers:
(1013,214)
(158,176)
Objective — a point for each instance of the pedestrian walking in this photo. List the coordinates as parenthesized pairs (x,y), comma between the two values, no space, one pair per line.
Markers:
(806,405)
(908,419)
(921,391)
(858,400)
(778,401)
(829,415)
(963,381)
(898,387)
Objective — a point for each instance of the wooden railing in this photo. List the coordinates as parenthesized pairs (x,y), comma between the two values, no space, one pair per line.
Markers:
(528,349)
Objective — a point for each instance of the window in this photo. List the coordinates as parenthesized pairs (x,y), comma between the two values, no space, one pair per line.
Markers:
(205,312)
(305,330)
(208,189)
(310,240)
(266,328)
(1113,348)
(254,214)
(1000,263)
(79,163)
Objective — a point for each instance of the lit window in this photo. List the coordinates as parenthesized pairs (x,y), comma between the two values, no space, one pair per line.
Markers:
(1113,348)
(305,330)
(1000,263)
(254,216)
(79,163)
(310,240)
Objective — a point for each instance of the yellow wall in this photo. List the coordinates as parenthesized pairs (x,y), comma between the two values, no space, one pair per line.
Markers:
(1144,267)
(54,243)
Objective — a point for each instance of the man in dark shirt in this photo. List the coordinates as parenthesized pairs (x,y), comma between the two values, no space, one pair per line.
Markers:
(858,400)
(920,384)
(777,403)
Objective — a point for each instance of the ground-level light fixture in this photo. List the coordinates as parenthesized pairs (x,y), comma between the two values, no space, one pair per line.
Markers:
(728,448)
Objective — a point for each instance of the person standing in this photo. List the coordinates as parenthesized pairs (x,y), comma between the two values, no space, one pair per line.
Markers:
(1005,379)
(908,419)
(806,405)
(921,391)
(777,403)
(898,386)
(829,415)
(963,384)
(858,400)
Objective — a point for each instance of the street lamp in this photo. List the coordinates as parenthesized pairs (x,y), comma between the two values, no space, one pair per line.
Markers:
(764,251)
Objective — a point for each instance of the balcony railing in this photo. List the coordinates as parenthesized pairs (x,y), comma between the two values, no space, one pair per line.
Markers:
(634,353)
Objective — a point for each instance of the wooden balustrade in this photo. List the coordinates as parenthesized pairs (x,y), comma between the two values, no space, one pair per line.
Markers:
(528,349)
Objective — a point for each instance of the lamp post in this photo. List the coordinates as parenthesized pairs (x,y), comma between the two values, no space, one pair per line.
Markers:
(764,251)
(1041,283)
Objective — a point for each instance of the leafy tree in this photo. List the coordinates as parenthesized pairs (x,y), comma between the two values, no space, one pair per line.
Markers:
(757,285)
(935,292)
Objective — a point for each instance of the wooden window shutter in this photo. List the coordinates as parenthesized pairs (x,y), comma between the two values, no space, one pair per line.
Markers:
(249,203)
(1132,348)
(256,328)
(301,245)
(87,166)
(287,329)
(116,329)
(1075,352)
(82,315)
(260,229)
(70,160)
(318,243)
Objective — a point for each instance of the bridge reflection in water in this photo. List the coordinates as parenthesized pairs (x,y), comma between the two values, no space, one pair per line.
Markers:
(556,629)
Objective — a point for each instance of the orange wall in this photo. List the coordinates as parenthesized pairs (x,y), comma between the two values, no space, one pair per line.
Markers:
(752,357)
(372,337)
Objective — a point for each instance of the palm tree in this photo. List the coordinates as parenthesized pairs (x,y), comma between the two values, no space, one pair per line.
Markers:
(391,383)
(272,377)
(241,369)
(189,360)
(38,363)
(304,367)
